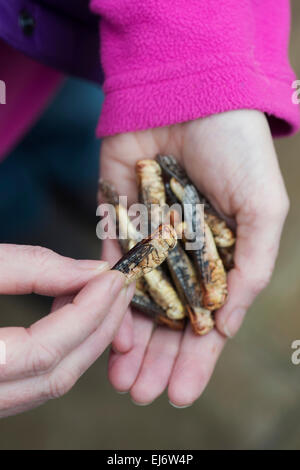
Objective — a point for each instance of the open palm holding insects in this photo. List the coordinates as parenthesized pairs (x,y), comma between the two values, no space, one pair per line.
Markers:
(231,159)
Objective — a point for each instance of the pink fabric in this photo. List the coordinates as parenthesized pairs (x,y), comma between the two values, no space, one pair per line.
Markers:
(169,61)
(29,86)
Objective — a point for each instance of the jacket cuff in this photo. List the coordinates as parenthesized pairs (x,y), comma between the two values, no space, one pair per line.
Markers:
(157,103)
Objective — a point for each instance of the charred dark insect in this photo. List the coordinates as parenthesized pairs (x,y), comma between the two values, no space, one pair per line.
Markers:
(224,236)
(170,168)
(227,256)
(170,196)
(147,254)
(194,225)
(195,233)
(206,258)
(185,279)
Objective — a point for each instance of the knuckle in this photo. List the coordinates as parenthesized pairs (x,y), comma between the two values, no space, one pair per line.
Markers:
(272,206)
(285,205)
(40,254)
(278,208)
(260,283)
(60,383)
(41,358)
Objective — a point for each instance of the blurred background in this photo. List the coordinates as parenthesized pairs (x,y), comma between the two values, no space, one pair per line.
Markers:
(47,197)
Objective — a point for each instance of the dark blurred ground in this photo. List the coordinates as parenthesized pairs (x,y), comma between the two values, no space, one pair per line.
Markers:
(252,400)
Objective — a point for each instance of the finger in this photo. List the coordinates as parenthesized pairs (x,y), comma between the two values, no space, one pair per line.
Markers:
(88,352)
(61,301)
(157,366)
(26,269)
(38,349)
(82,357)
(124,368)
(17,397)
(24,394)
(258,237)
(119,155)
(194,366)
(123,340)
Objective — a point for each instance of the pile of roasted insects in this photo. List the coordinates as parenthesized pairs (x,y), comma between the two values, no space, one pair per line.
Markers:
(174,284)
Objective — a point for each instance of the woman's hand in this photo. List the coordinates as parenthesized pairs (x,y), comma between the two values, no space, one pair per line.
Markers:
(230,157)
(45,360)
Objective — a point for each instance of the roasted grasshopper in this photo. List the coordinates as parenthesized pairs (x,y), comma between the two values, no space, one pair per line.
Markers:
(155,297)
(190,284)
(147,254)
(223,235)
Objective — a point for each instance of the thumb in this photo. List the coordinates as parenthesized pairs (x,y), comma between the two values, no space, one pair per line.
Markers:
(27,269)
(258,238)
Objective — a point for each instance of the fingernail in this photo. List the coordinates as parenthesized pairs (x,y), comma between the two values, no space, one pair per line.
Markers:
(95,266)
(141,404)
(180,406)
(233,323)
(127,293)
(117,286)
(130,290)
(122,393)
(227,332)
(103,266)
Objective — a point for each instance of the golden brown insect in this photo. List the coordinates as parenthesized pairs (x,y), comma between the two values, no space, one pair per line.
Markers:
(164,294)
(224,236)
(179,225)
(189,289)
(150,182)
(147,254)
(143,303)
(151,189)
(127,234)
(215,291)
(152,194)
(177,188)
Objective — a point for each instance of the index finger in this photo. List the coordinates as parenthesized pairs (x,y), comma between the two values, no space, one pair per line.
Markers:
(25,269)
(39,348)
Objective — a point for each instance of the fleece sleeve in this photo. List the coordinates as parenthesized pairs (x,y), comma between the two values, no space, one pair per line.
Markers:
(170,61)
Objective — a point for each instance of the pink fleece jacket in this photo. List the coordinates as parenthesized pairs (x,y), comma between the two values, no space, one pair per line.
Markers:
(169,61)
